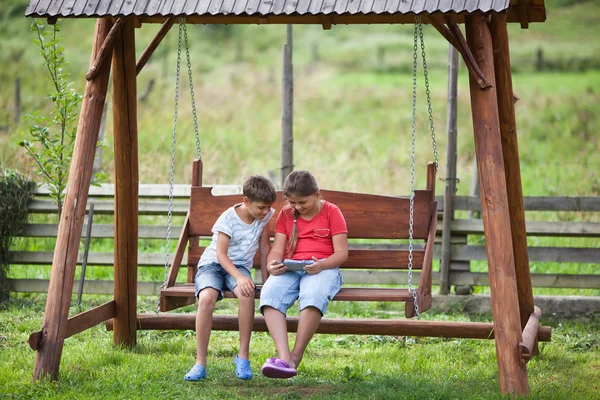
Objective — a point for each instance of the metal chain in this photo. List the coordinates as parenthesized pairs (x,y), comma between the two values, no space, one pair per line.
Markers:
(425,73)
(412,170)
(172,174)
(189,66)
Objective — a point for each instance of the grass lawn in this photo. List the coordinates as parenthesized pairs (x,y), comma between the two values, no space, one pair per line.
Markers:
(335,366)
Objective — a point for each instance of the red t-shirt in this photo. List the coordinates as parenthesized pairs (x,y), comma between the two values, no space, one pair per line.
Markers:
(314,236)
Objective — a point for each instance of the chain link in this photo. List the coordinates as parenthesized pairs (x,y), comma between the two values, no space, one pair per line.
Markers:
(172,173)
(426,74)
(412,169)
(195,115)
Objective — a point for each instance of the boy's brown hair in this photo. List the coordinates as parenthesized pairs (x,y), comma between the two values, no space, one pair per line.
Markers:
(259,188)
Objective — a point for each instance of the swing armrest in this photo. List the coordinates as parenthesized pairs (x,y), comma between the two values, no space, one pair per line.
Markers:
(181,245)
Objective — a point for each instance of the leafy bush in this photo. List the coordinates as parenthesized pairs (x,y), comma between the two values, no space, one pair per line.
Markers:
(53,136)
(15,192)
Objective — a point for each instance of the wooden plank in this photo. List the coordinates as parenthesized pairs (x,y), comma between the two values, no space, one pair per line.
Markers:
(127,178)
(69,234)
(459,227)
(388,216)
(364,259)
(458,252)
(80,322)
(572,281)
(100,231)
(393,327)
(534,228)
(541,203)
(345,294)
(494,202)
(180,191)
(579,281)
(512,166)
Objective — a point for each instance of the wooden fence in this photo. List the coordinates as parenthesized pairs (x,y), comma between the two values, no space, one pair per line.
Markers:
(154,201)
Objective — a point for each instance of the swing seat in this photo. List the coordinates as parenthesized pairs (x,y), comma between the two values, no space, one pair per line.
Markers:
(367,216)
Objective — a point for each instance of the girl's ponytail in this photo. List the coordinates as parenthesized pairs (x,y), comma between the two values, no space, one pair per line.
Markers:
(294,238)
(298,183)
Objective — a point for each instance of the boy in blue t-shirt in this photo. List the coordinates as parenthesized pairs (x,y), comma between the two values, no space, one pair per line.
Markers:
(226,264)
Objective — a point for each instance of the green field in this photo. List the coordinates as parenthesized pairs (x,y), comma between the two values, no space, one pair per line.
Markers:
(352,123)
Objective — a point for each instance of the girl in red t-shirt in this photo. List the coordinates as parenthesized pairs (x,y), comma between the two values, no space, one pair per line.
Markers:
(309,229)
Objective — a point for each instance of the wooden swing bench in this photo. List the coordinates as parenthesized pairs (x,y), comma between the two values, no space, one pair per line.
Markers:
(368,217)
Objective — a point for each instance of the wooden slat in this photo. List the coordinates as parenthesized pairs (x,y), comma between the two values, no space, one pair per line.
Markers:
(80,322)
(458,252)
(578,281)
(367,216)
(364,259)
(541,203)
(345,294)
(534,228)
(393,327)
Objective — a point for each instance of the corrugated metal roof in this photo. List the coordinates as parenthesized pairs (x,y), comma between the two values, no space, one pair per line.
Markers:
(149,8)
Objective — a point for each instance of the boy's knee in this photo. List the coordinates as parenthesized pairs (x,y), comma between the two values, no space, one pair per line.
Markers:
(207,298)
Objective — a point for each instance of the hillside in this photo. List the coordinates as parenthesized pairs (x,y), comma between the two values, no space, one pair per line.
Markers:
(351,101)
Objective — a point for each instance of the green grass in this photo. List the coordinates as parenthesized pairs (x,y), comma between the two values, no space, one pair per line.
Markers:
(335,366)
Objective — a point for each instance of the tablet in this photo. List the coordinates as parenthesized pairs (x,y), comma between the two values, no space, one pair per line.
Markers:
(296,265)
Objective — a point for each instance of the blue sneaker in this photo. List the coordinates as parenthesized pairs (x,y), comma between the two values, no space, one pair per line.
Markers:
(242,368)
(197,373)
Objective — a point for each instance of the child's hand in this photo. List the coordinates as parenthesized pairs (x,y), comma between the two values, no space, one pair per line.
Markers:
(276,268)
(246,286)
(314,268)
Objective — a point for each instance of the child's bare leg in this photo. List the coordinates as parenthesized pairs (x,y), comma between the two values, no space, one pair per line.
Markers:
(310,318)
(277,325)
(245,321)
(206,304)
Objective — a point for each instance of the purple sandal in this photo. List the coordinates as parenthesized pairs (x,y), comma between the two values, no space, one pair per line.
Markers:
(277,368)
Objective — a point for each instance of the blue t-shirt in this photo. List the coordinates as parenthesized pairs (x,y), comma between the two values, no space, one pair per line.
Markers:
(244,238)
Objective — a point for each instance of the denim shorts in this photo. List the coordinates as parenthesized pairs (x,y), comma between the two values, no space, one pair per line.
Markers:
(281,291)
(214,276)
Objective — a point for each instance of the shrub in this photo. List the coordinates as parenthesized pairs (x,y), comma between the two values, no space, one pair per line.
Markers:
(15,192)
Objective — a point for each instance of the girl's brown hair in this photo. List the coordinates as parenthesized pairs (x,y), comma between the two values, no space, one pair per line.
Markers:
(298,183)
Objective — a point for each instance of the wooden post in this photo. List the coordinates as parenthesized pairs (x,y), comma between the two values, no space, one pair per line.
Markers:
(495,213)
(450,169)
(512,168)
(287,108)
(17,118)
(54,326)
(126,183)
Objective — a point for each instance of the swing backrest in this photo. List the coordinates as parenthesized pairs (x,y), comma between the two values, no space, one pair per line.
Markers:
(367,216)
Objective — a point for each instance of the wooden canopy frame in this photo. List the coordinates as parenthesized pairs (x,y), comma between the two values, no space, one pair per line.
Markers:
(486,54)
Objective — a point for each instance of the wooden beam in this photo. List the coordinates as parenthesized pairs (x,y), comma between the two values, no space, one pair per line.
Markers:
(79,322)
(358,326)
(523,18)
(160,35)
(451,157)
(54,326)
(512,168)
(495,213)
(105,50)
(465,51)
(126,187)
(529,343)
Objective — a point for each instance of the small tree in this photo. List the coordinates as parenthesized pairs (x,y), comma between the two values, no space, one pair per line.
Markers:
(15,193)
(53,136)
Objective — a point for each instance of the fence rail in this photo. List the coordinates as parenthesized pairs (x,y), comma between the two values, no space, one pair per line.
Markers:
(153,202)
